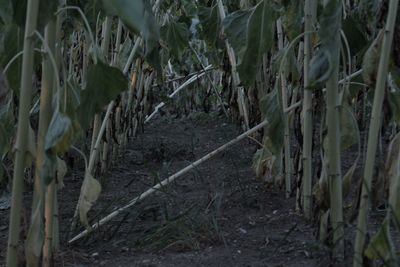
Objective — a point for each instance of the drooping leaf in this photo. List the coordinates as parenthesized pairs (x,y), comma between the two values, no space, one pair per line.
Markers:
(31,147)
(90,191)
(104,83)
(392,167)
(348,178)
(10,45)
(271,110)
(394,98)
(47,9)
(138,17)
(60,134)
(349,133)
(355,36)
(61,171)
(256,26)
(292,19)
(7,129)
(35,238)
(176,36)
(210,24)
(264,165)
(325,59)
(381,245)
(235,29)
(371,60)
(6,11)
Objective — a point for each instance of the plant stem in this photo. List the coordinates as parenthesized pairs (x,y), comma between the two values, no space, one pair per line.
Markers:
(22,129)
(373,133)
(307,113)
(333,149)
(286,135)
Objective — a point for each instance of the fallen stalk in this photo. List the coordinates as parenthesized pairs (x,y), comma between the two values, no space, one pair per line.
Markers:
(184,85)
(167,181)
(187,76)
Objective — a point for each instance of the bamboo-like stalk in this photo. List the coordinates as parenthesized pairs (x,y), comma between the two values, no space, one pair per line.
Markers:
(334,169)
(373,133)
(307,113)
(169,180)
(55,244)
(286,137)
(333,152)
(44,121)
(22,129)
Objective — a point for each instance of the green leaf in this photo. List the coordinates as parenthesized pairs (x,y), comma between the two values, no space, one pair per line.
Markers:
(210,24)
(104,83)
(325,59)
(11,44)
(138,17)
(348,128)
(292,19)
(6,11)
(392,169)
(371,60)
(355,36)
(90,191)
(256,27)
(394,98)
(381,245)
(271,110)
(7,129)
(60,134)
(47,9)
(176,36)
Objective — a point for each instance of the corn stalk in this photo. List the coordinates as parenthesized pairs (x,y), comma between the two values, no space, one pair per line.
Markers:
(22,129)
(307,113)
(286,134)
(373,133)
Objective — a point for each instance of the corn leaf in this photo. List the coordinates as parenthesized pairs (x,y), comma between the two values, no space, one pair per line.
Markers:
(394,96)
(325,60)
(210,24)
(271,110)
(104,83)
(381,245)
(392,167)
(138,17)
(256,28)
(90,191)
(176,36)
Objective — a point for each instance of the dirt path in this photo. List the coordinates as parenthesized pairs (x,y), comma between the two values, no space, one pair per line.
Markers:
(217,215)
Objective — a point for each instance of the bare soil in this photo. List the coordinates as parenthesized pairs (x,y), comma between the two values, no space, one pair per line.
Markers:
(219,214)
